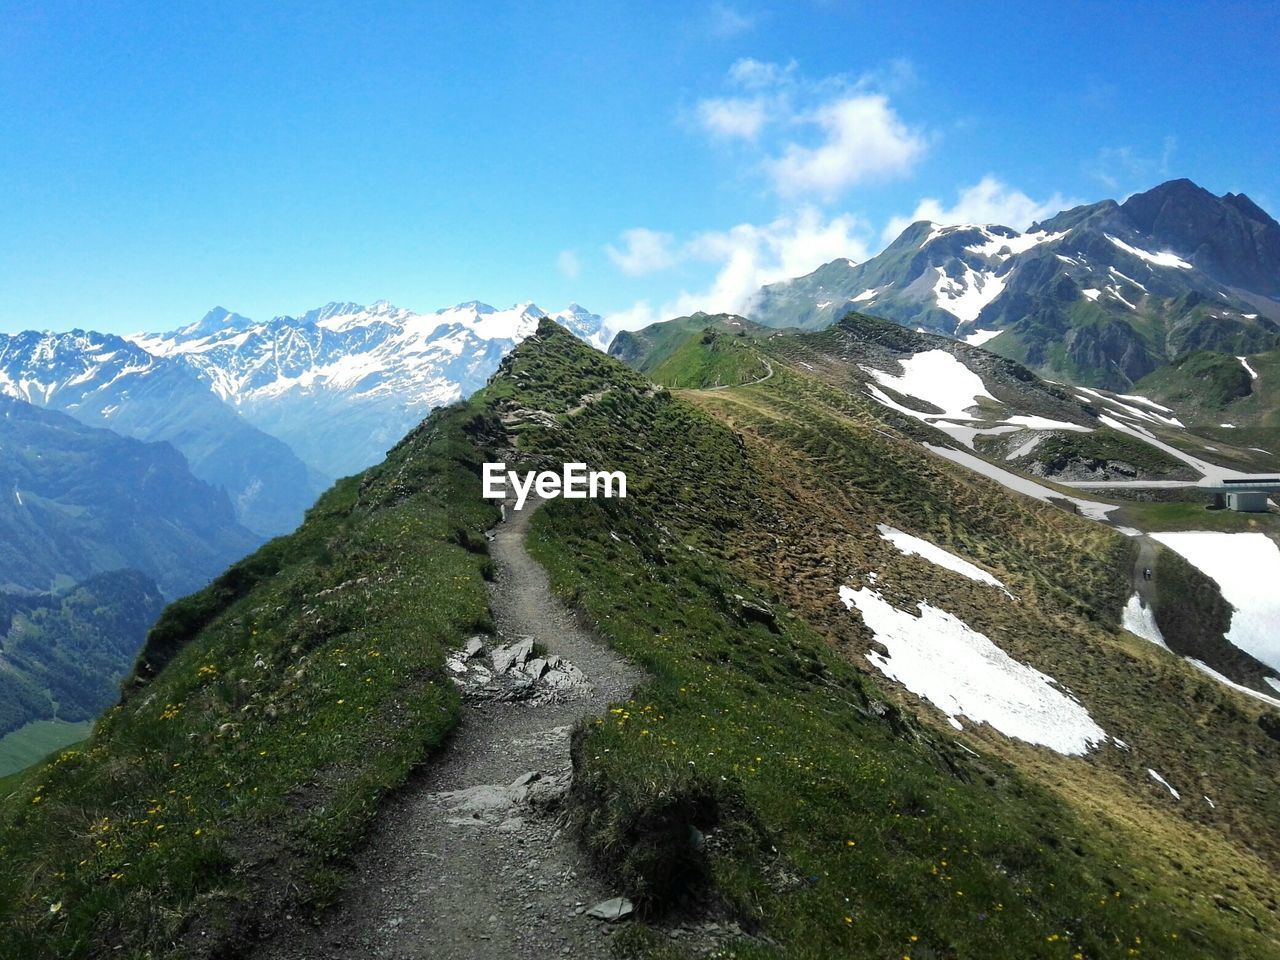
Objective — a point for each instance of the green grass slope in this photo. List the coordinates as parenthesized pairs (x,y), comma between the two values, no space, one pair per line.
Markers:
(708,359)
(649,347)
(269,714)
(36,740)
(762,772)
(838,825)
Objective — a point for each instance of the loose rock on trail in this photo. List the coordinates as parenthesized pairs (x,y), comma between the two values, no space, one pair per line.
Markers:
(472,859)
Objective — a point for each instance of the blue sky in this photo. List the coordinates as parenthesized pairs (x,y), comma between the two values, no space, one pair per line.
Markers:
(640,159)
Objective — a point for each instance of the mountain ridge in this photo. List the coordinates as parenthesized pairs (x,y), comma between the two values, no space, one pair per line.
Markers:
(1103,293)
(104,380)
(342,382)
(270,410)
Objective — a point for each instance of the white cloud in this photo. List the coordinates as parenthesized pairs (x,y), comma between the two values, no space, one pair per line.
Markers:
(640,314)
(759,74)
(748,256)
(990,200)
(643,251)
(569,264)
(733,117)
(725,21)
(862,139)
(824,136)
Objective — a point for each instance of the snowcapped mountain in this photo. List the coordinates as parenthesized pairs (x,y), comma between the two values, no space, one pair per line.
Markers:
(271,411)
(1104,293)
(105,381)
(343,383)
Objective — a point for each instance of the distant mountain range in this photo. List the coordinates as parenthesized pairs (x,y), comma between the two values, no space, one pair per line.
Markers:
(105,381)
(271,412)
(76,501)
(343,383)
(1102,294)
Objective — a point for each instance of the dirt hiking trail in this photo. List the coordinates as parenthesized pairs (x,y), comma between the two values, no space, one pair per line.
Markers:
(471,859)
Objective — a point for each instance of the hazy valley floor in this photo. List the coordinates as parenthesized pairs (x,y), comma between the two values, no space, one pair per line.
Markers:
(469,860)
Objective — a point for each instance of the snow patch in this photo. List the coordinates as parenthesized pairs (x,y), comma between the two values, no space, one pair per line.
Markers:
(1026,448)
(1115,292)
(1252,372)
(1127,279)
(1146,403)
(1227,681)
(1044,423)
(1161,780)
(1089,508)
(1146,436)
(1019,244)
(964,297)
(1246,567)
(1161,259)
(939,379)
(961,672)
(1140,620)
(916,546)
(979,337)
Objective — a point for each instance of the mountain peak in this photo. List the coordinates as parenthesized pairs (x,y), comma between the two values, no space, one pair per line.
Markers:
(476,305)
(217,319)
(1248,208)
(335,308)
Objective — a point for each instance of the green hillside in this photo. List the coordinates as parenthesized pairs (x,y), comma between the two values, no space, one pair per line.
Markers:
(82,500)
(711,358)
(36,740)
(62,655)
(648,348)
(765,767)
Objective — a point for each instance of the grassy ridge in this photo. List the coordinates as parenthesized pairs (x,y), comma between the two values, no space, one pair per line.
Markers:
(712,358)
(649,347)
(837,825)
(231,783)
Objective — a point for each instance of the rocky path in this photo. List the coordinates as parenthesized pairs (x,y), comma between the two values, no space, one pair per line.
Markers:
(1146,560)
(472,860)
(768,373)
